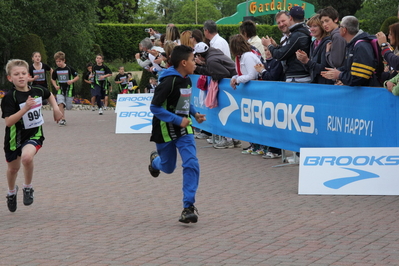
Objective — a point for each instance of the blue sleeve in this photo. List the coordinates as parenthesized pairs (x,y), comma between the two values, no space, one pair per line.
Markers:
(165,115)
(192,110)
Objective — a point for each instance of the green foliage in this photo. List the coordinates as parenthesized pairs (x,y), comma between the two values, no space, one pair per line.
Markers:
(374,12)
(389,21)
(27,45)
(116,11)
(195,12)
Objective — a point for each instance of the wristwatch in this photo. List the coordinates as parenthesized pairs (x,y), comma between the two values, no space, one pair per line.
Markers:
(385,44)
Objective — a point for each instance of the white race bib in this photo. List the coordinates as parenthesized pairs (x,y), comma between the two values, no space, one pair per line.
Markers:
(33,118)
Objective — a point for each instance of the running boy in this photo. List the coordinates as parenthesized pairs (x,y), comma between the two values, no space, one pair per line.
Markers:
(121,79)
(89,79)
(21,109)
(63,78)
(171,127)
(101,73)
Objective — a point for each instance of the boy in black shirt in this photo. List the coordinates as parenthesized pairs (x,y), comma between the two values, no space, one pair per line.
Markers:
(171,127)
(63,78)
(101,73)
(21,109)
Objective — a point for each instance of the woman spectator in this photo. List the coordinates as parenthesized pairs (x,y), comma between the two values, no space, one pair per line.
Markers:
(317,61)
(172,34)
(245,61)
(390,51)
(185,38)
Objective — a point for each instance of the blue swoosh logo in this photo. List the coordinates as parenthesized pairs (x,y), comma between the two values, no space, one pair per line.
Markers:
(140,126)
(137,104)
(340,182)
(226,111)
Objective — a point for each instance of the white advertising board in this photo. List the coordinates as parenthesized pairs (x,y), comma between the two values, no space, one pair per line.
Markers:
(349,171)
(133,113)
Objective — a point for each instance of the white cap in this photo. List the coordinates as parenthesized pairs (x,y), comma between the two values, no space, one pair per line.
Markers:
(200,48)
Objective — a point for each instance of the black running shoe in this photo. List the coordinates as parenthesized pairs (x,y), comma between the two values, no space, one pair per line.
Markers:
(12,201)
(153,172)
(28,196)
(188,215)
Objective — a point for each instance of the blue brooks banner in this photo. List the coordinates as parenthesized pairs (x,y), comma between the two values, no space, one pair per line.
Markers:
(293,115)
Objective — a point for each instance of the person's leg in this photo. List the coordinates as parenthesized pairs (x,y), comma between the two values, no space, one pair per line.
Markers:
(191,171)
(28,152)
(98,89)
(12,172)
(166,160)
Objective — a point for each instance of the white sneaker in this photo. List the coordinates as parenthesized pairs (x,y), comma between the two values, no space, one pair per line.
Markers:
(93,108)
(100,111)
(105,108)
(224,144)
(270,155)
(202,136)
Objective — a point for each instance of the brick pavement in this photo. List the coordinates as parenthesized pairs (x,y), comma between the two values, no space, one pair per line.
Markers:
(96,204)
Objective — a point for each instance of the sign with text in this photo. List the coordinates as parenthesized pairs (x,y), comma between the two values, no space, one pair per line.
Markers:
(349,171)
(133,113)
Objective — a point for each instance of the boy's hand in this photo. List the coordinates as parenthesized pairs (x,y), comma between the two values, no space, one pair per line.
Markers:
(185,122)
(57,115)
(200,117)
(30,102)
(69,82)
(259,67)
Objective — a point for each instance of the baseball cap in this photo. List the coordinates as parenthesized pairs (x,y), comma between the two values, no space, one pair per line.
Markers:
(297,12)
(200,47)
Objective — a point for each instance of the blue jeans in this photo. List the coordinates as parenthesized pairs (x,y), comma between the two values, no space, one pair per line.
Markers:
(166,162)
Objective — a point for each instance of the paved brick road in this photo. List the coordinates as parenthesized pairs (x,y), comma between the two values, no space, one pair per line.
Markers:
(96,204)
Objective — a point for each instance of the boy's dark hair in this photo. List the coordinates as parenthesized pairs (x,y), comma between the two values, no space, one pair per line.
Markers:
(180,53)
(329,12)
(248,28)
(89,64)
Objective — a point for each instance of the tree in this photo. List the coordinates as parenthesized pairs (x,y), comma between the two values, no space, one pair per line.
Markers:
(59,30)
(117,11)
(190,12)
(167,8)
(371,20)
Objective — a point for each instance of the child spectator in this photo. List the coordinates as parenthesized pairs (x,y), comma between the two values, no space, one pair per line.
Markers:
(132,84)
(393,85)
(171,127)
(63,78)
(151,86)
(101,72)
(272,69)
(21,109)
(89,78)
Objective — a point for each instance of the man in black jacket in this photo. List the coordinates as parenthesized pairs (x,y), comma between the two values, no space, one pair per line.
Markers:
(299,39)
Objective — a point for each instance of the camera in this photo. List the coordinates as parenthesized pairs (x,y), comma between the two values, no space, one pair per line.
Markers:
(147,30)
(144,56)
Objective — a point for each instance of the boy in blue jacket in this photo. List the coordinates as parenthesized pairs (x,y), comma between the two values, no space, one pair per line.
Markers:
(171,127)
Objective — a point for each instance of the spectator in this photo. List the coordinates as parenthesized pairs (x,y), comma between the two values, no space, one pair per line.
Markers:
(172,34)
(216,64)
(248,30)
(271,70)
(360,62)
(245,61)
(335,50)
(215,40)
(185,38)
(282,21)
(390,51)
(393,85)
(196,37)
(299,39)
(317,61)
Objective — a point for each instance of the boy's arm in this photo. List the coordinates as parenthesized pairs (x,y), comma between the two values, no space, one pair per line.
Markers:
(56,110)
(165,115)
(14,118)
(69,82)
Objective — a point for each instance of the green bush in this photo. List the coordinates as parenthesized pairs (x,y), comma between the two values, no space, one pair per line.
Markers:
(389,21)
(28,44)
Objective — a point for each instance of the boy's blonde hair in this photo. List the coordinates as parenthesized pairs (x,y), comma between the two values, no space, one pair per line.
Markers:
(15,63)
(59,56)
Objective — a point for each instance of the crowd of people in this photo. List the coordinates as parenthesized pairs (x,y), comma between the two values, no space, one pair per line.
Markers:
(321,50)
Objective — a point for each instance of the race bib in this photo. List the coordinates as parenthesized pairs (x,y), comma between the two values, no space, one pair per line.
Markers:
(100,73)
(62,76)
(33,118)
(40,73)
(183,105)
(124,80)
